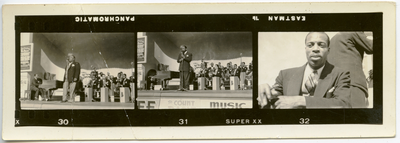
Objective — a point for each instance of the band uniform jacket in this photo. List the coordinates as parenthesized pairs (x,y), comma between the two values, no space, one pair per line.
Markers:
(235,72)
(203,72)
(218,72)
(243,69)
(227,71)
(333,79)
(105,83)
(185,64)
(74,72)
(124,82)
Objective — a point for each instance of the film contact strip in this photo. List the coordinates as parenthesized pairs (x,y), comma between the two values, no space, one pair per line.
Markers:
(150,107)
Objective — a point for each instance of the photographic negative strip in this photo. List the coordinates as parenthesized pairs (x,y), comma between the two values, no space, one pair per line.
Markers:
(200,71)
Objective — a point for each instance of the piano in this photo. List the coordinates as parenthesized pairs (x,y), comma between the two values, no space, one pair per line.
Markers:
(164,76)
(51,85)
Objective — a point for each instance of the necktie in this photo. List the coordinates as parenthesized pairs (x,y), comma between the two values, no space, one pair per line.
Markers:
(311,83)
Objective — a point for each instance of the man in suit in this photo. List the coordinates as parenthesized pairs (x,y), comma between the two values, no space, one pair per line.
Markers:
(71,77)
(235,71)
(347,52)
(317,84)
(184,60)
(211,68)
(35,82)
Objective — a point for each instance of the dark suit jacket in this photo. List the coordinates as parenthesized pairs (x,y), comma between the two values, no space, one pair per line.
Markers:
(235,73)
(347,52)
(243,69)
(125,83)
(106,83)
(218,72)
(73,72)
(290,81)
(36,82)
(185,64)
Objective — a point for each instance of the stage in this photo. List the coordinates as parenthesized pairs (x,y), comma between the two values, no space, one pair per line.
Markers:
(57,105)
(195,99)
(156,99)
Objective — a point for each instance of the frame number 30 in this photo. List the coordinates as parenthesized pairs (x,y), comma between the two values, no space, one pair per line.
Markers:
(63,121)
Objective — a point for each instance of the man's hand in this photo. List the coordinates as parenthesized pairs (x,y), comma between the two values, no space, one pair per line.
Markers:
(265,94)
(290,102)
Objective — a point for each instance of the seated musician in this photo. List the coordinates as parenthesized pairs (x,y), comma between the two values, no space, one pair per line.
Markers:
(35,87)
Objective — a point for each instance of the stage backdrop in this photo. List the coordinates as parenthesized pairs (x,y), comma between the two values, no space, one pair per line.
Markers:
(224,47)
(108,52)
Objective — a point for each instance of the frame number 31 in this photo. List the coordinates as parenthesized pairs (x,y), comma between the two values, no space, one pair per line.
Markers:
(183,121)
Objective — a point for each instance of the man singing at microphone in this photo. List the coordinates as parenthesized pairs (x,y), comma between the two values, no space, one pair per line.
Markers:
(184,59)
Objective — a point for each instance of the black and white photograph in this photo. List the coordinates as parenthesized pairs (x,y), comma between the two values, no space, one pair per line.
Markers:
(316,70)
(195,70)
(198,71)
(77,71)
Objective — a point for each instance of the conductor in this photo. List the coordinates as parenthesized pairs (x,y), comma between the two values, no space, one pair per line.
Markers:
(184,60)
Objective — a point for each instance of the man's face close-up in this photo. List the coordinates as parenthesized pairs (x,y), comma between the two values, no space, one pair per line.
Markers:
(317,49)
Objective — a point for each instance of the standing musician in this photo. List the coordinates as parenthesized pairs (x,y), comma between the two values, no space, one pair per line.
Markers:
(71,77)
(235,71)
(219,73)
(184,60)
(242,78)
(228,71)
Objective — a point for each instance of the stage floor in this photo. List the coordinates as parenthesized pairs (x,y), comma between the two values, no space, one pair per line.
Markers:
(55,105)
(205,96)
(197,93)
